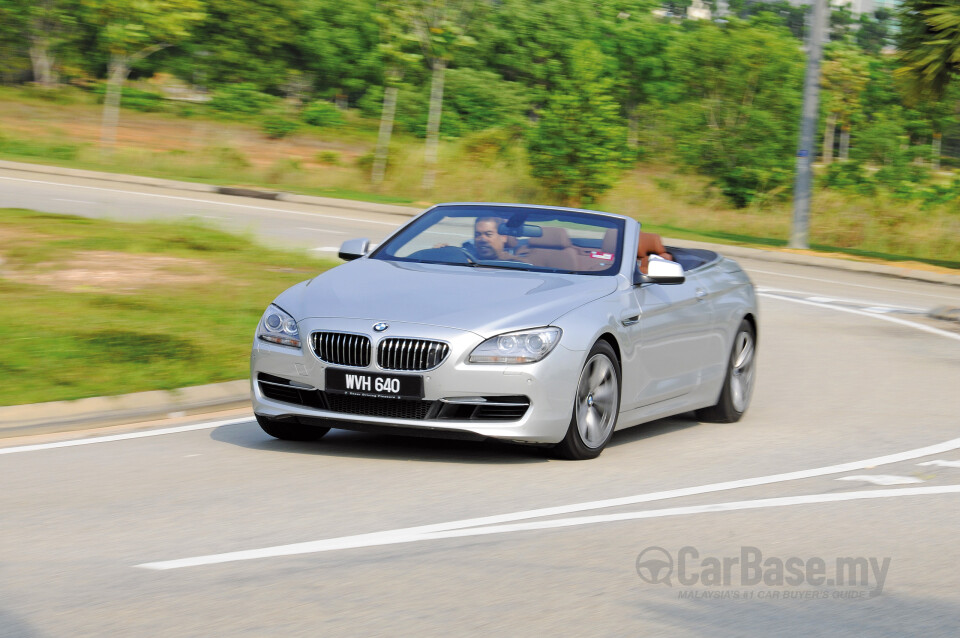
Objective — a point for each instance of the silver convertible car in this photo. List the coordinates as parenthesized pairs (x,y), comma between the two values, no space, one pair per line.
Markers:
(535,324)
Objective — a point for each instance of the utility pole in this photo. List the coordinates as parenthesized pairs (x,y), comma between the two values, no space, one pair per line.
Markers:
(803,183)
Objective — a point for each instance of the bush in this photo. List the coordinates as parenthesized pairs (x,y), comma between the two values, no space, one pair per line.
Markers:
(240,99)
(491,144)
(849,175)
(228,157)
(321,113)
(365,162)
(135,99)
(330,158)
(278,126)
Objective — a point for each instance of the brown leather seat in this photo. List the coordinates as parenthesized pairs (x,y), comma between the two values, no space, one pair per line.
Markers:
(553,249)
(650,244)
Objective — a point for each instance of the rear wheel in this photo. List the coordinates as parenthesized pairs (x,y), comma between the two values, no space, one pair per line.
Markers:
(595,406)
(290,430)
(738,384)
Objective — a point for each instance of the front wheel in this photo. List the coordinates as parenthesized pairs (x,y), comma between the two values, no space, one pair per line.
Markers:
(595,406)
(290,430)
(738,384)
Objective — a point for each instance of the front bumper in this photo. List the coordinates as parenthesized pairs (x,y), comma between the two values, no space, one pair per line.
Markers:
(549,386)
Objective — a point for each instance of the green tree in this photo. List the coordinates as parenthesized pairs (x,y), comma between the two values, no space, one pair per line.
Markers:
(929,46)
(440,28)
(577,148)
(250,41)
(338,42)
(44,29)
(129,31)
(844,77)
(395,42)
(874,31)
(734,114)
(636,42)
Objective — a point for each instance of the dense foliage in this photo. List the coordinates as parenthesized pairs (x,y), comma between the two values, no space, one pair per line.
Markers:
(591,86)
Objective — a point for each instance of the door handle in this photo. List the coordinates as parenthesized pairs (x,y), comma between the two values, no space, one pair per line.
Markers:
(701,294)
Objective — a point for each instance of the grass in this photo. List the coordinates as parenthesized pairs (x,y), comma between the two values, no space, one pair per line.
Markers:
(335,162)
(94,307)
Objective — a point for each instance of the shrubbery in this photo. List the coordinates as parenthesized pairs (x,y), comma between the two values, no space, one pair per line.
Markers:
(243,98)
(136,99)
(278,125)
(322,113)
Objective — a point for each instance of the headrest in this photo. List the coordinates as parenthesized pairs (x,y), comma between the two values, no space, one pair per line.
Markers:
(611,243)
(552,237)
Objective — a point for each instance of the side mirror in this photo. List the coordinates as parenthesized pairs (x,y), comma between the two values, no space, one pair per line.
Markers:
(662,271)
(354,249)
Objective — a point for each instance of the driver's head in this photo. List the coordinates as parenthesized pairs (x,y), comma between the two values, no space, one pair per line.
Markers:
(487,238)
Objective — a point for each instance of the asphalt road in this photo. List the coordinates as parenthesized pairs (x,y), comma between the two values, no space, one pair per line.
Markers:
(850,450)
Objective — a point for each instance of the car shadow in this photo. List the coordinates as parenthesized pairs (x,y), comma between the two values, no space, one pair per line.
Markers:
(650,429)
(345,443)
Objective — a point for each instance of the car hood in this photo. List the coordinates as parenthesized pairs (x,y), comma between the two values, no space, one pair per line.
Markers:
(481,300)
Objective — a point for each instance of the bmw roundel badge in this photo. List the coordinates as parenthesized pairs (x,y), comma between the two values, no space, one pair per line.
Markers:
(380,326)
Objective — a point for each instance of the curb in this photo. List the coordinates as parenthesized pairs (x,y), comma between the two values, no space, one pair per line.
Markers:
(82,414)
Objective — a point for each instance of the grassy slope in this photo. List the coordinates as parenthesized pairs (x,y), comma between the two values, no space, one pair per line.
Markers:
(117,328)
(333,163)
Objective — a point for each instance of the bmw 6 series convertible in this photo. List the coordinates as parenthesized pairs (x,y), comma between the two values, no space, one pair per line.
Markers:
(541,325)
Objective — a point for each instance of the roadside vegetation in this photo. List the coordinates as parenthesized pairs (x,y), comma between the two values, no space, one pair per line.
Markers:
(855,218)
(627,105)
(94,307)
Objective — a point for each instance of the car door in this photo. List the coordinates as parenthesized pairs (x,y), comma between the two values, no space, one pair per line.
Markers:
(671,346)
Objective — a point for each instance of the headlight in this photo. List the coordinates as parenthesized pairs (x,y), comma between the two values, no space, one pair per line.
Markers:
(524,346)
(276,326)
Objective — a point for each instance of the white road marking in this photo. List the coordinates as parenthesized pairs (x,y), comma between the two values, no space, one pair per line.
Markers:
(497,519)
(75,201)
(881,479)
(327,249)
(323,230)
(841,283)
(123,437)
(822,299)
(862,302)
(202,201)
(401,536)
(941,463)
(902,322)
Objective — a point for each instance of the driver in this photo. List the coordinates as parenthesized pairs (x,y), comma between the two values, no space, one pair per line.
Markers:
(488,243)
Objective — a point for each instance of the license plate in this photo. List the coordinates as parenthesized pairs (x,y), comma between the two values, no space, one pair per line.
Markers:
(368,384)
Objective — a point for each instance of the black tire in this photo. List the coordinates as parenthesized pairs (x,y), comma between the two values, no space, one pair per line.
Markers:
(601,366)
(290,430)
(738,382)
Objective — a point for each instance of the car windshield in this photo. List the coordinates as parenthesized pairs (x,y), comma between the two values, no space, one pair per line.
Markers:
(518,238)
